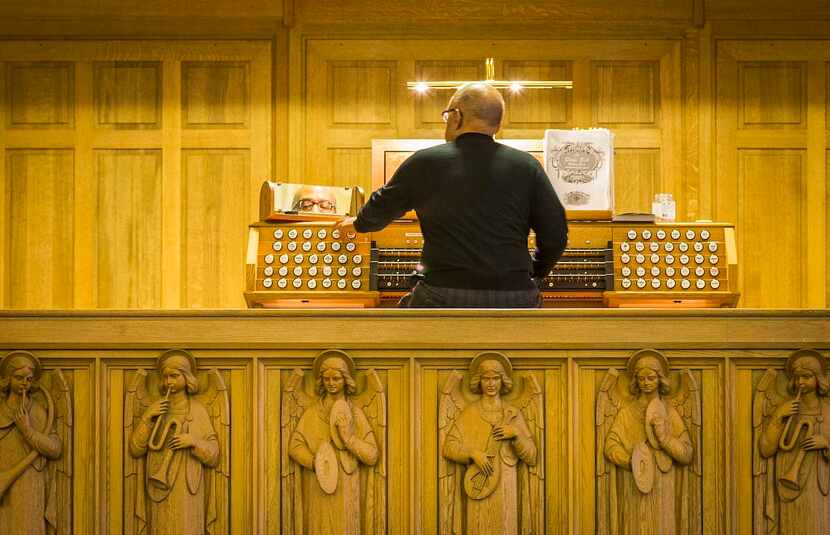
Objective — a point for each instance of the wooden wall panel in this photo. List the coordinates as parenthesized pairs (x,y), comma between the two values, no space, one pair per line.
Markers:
(40,94)
(772,94)
(625,93)
(771,166)
(361,93)
(636,179)
(129,228)
(215,218)
(771,226)
(529,108)
(349,167)
(125,110)
(215,94)
(128,94)
(40,200)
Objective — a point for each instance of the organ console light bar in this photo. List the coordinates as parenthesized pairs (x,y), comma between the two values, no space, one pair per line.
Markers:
(422,86)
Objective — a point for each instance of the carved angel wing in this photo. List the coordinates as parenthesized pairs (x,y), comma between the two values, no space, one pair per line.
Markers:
(294,403)
(135,505)
(450,405)
(531,403)
(60,470)
(214,397)
(373,403)
(765,402)
(687,403)
(608,405)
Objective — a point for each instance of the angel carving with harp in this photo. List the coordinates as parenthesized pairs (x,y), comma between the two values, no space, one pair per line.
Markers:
(491,478)
(791,458)
(648,449)
(333,447)
(177,450)
(35,447)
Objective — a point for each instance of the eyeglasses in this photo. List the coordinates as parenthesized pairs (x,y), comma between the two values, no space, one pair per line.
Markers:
(306,205)
(446,113)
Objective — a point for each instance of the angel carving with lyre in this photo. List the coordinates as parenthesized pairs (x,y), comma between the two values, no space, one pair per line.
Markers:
(35,447)
(491,478)
(333,443)
(791,460)
(648,454)
(177,446)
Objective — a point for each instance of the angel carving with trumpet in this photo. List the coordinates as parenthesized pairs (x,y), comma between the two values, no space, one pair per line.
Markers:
(491,478)
(177,446)
(333,444)
(35,445)
(792,455)
(648,450)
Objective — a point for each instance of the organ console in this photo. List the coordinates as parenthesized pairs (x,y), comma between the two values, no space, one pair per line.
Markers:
(605,264)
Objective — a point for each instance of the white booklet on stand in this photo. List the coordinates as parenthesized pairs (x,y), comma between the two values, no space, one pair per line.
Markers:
(580,164)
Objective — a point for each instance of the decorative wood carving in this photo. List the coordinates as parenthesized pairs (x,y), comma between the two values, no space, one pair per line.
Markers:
(177,442)
(491,470)
(333,444)
(35,447)
(791,458)
(648,449)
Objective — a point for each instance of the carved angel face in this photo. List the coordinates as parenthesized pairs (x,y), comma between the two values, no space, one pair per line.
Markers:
(333,381)
(647,380)
(805,380)
(21,379)
(490,383)
(173,379)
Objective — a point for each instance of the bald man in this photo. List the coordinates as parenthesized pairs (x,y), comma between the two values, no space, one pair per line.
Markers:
(476,201)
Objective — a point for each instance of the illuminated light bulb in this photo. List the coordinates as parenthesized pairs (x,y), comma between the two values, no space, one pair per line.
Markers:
(515,87)
(421,87)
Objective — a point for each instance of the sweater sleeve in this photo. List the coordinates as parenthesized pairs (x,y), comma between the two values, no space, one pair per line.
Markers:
(392,200)
(547,219)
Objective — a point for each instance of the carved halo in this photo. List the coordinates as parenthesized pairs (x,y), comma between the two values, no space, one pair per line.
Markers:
(492,355)
(648,353)
(7,359)
(332,353)
(806,353)
(177,352)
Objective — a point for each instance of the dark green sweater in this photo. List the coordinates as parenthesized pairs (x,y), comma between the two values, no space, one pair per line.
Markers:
(476,201)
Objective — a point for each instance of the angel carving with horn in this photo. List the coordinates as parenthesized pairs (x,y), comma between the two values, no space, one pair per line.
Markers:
(334,463)
(648,454)
(491,478)
(792,454)
(177,447)
(35,440)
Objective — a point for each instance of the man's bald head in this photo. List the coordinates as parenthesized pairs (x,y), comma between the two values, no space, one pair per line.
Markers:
(480,102)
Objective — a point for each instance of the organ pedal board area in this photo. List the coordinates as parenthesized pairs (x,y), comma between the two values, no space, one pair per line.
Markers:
(691,265)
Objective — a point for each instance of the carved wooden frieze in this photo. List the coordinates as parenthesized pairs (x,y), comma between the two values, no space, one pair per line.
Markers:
(177,444)
(791,458)
(648,449)
(333,450)
(491,468)
(35,447)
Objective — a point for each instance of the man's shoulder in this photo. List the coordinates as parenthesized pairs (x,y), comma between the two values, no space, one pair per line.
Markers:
(517,154)
(436,152)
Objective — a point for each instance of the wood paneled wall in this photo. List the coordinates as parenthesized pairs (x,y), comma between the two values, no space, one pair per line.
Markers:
(130,171)
(735,128)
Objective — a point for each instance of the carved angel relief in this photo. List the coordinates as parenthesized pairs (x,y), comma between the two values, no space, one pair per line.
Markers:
(491,470)
(35,447)
(177,444)
(791,457)
(333,450)
(648,449)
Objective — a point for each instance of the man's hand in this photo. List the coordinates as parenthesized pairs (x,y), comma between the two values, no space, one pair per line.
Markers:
(346,224)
